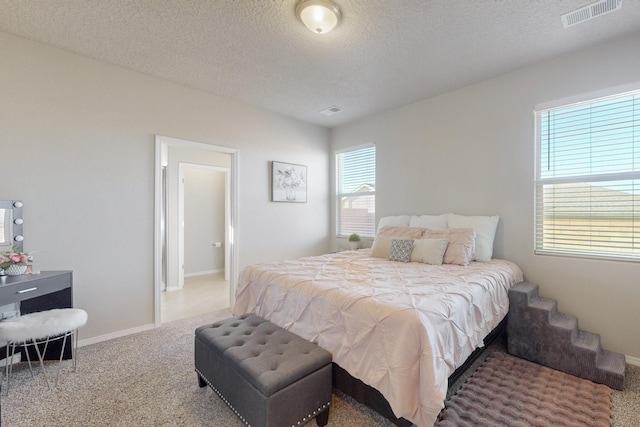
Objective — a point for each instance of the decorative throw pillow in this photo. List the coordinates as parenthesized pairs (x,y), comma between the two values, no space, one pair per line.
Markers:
(461,244)
(382,246)
(382,243)
(485,228)
(401,250)
(429,251)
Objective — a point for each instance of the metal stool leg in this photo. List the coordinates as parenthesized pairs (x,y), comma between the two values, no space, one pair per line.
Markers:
(64,343)
(74,350)
(40,358)
(7,365)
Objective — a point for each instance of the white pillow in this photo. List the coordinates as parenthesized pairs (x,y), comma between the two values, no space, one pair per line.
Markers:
(434,222)
(485,228)
(429,251)
(394,221)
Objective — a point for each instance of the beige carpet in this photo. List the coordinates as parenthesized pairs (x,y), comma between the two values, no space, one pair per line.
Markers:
(147,379)
(511,392)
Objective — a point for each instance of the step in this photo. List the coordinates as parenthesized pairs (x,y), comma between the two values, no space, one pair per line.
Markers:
(611,361)
(587,340)
(566,323)
(526,288)
(611,366)
(544,304)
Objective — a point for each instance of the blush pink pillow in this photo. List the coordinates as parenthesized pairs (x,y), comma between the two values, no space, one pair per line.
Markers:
(409,232)
(462,244)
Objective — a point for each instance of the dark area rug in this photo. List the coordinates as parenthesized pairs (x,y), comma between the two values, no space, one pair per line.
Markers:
(507,391)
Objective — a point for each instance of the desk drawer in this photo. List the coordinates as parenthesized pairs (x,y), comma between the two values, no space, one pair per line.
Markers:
(34,287)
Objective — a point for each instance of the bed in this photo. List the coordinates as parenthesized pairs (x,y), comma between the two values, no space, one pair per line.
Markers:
(400,327)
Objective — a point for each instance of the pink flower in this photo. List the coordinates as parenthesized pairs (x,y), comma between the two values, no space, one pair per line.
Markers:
(10,258)
(16,258)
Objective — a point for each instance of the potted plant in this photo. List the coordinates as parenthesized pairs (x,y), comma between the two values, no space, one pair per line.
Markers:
(354,241)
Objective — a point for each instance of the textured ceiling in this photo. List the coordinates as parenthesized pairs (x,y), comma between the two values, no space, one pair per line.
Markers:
(384,54)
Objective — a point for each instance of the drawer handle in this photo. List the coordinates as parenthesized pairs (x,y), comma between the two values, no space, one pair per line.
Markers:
(24,291)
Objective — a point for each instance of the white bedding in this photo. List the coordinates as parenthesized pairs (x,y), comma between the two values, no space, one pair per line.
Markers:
(401,328)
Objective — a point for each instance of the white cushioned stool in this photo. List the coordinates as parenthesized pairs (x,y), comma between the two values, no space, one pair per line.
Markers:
(37,330)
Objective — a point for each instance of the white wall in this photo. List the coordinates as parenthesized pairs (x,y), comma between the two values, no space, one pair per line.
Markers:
(471,152)
(204,216)
(77,146)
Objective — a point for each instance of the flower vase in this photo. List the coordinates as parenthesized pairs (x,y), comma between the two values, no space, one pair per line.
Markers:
(354,245)
(15,270)
(290,193)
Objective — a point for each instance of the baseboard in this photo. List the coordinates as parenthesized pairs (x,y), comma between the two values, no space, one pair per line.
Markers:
(632,360)
(113,335)
(204,273)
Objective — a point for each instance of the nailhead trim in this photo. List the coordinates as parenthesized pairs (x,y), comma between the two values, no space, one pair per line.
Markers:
(312,415)
(302,421)
(224,399)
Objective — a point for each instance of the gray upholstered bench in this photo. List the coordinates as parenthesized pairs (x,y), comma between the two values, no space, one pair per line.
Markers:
(268,376)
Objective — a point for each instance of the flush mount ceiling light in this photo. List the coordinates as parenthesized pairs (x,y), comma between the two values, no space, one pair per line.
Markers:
(320,16)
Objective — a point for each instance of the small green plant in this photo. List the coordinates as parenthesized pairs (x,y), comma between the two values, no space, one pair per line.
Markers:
(355,237)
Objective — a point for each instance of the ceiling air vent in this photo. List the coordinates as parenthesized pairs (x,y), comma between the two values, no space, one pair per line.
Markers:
(331,111)
(589,12)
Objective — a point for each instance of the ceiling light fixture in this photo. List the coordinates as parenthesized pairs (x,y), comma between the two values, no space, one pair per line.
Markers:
(320,16)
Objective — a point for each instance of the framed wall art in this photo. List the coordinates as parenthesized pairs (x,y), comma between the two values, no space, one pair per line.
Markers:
(288,182)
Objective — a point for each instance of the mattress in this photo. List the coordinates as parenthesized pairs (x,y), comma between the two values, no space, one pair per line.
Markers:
(402,328)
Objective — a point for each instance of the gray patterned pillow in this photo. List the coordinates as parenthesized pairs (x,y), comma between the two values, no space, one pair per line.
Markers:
(401,250)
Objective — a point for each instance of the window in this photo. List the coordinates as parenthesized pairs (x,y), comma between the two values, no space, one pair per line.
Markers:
(588,178)
(356,192)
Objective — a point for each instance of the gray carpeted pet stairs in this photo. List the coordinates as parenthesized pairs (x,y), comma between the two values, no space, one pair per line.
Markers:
(537,332)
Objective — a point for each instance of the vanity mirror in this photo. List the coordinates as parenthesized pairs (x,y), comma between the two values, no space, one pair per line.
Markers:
(11,225)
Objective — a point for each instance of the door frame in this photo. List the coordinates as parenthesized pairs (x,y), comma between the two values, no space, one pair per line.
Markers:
(161,144)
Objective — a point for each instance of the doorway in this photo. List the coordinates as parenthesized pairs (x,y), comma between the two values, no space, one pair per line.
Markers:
(188,262)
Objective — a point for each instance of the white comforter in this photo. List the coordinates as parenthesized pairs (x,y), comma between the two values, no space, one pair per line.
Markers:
(401,328)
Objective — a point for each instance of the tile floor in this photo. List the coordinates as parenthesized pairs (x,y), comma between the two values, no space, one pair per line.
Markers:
(200,295)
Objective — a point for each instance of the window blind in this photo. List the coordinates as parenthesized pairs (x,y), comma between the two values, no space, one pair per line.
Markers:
(588,178)
(356,192)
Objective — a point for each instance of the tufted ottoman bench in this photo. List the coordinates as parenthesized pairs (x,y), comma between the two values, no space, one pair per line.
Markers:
(268,376)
